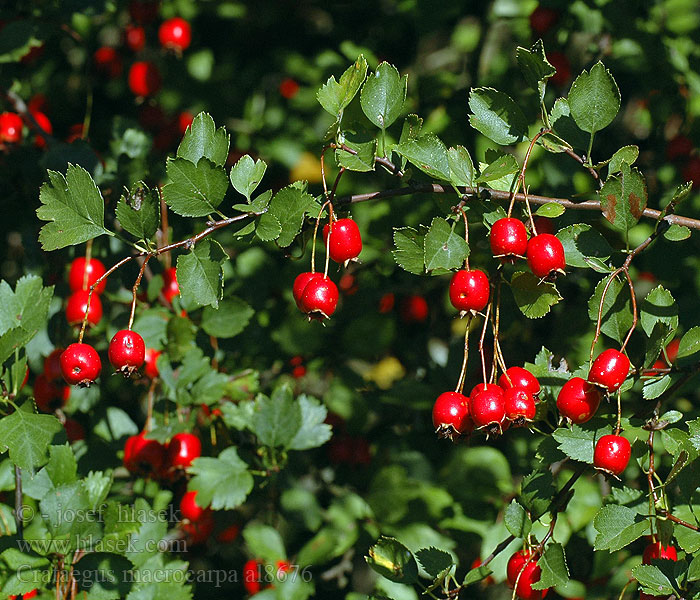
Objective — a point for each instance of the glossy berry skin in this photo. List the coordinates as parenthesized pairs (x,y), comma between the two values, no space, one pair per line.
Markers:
(480,387)
(672,350)
(545,255)
(127,351)
(520,378)
(300,283)
(320,298)
(578,400)
(345,240)
(469,290)
(612,454)
(80,364)
(143,456)
(530,574)
(144,78)
(77,279)
(656,550)
(52,365)
(183,449)
(189,509)
(414,309)
(508,238)
(488,409)
(519,405)
(151,360)
(451,414)
(77,305)
(171,287)
(10,128)
(609,370)
(135,37)
(50,395)
(175,34)
(252,575)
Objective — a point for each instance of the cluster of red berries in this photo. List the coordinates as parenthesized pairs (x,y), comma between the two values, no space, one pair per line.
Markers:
(12,124)
(83,274)
(314,293)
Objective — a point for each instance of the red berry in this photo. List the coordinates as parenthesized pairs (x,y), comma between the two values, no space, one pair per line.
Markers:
(609,370)
(348,284)
(288,88)
(530,574)
(143,456)
(488,410)
(515,565)
(189,509)
(578,400)
(50,395)
(672,350)
(678,147)
(656,550)
(151,369)
(74,430)
(127,351)
(184,120)
(519,405)
(451,414)
(200,531)
(183,449)
(144,11)
(52,365)
(692,171)
(135,37)
(299,372)
(469,290)
(561,63)
(300,283)
(175,34)
(481,387)
(77,306)
(520,378)
(414,309)
(171,287)
(25,596)
(108,62)
(252,576)
(228,535)
(508,238)
(386,303)
(542,19)
(545,255)
(80,364)
(79,280)
(320,298)
(345,240)
(10,128)
(144,78)
(612,454)
(45,124)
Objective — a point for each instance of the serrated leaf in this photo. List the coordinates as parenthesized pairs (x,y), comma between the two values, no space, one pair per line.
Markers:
(689,347)
(383,95)
(594,99)
(534,298)
(623,198)
(434,561)
(276,420)
(264,542)
(362,160)
(139,211)
(658,307)
(500,167)
(443,247)
(617,527)
(203,140)
(617,308)
(408,250)
(74,207)
(429,154)
(289,206)
(497,116)
(578,443)
(227,321)
(677,233)
(554,571)
(517,520)
(535,67)
(267,227)
(461,166)
(314,432)
(653,580)
(564,125)
(222,482)
(551,210)
(391,559)
(194,190)
(334,95)
(200,273)
(580,242)
(626,154)
(27,436)
(247,174)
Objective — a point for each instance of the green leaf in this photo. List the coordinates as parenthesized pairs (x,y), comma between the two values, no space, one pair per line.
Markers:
(535,67)
(553,566)
(537,491)
(564,125)
(391,559)
(194,190)
(408,252)
(203,140)
(247,174)
(594,99)
(627,155)
(222,482)
(264,542)
(497,116)
(517,520)
(654,581)
(623,198)
(551,210)
(200,273)
(500,167)
(289,206)
(677,233)
(658,307)
(383,95)
(578,443)
(581,241)
(314,432)
(267,227)
(617,527)
(689,347)
(534,298)
(443,247)
(334,95)
(232,317)
(277,420)
(74,206)
(362,161)
(428,153)
(435,562)
(17,39)
(139,211)
(410,130)
(27,436)
(476,574)
(653,388)
(617,308)
(461,166)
